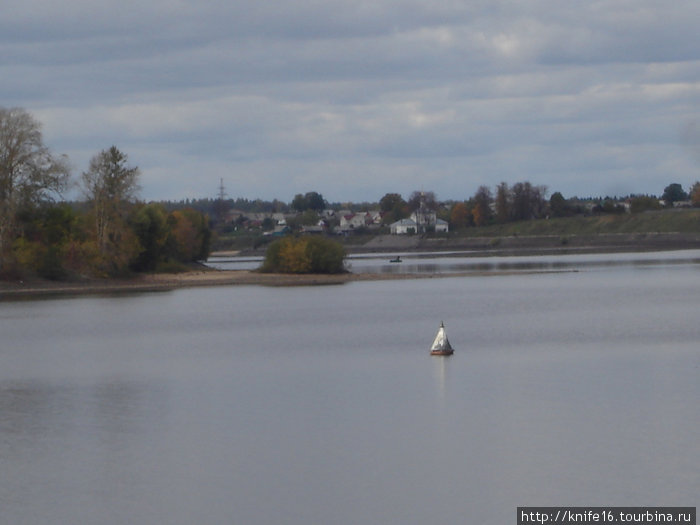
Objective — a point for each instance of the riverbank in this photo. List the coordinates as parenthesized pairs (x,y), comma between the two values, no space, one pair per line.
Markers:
(165,282)
(500,246)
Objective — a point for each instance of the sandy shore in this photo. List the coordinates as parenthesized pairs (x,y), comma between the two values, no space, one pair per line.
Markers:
(165,282)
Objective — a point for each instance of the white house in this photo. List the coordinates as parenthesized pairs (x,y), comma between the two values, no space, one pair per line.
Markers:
(422,220)
(411,225)
(441,226)
(353,221)
(403,227)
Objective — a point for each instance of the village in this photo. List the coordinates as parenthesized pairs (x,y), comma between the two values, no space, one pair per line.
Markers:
(430,216)
(343,222)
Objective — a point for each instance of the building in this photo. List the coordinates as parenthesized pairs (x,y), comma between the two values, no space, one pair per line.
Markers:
(421,221)
(364,219)
(403,227)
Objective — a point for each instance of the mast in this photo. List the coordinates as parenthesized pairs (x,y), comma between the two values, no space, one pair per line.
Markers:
(220,206)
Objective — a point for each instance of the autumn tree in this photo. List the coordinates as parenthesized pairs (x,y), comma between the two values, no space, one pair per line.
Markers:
(502,203)
(304,255)
(190,235)
(150,224)
(111,187)
(695,194)
(48,242)
(482,206)
(460,216)
(29,174)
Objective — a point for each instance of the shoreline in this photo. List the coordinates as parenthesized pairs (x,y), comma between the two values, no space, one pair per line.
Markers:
(10,290)
(40,288)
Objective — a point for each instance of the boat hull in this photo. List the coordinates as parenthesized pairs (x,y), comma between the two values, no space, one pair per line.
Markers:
(442,352)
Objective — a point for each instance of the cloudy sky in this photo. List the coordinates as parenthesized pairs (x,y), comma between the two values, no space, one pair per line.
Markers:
(355,98)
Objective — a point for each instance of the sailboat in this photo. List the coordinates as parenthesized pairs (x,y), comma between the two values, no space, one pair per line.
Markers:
(441,345)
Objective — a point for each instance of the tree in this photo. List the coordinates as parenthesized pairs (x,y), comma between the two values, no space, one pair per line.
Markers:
(482,206)
(309,218)
(111,185)
(695,194)
(425,198)
(43,246)
(558,205)
(393,207)
(310,201)
(190,235)
(643,203)
(528,201)
(673,193)
(304,255)
(459,216)
(150,225)
(502,203)
(299,203)
(29,174)
(390,201)
(315,201)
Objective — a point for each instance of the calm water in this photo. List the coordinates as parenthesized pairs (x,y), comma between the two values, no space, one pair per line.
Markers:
(254,405)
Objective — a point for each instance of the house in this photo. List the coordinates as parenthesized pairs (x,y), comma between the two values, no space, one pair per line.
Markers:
(354,221)
(411,225)
(279,231)
(441,226)
(403,227)
(422,220)
(313,229)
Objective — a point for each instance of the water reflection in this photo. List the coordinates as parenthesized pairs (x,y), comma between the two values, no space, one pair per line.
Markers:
(440,375)
(465,262)
(460,263)
(238,405)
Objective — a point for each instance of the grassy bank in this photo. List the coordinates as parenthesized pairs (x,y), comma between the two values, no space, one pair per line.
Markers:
(686,221)
(661,221)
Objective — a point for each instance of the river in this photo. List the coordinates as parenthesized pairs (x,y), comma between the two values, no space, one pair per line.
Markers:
(256,405)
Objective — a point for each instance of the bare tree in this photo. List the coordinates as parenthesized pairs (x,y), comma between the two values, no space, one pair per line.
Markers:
(528,201)
(29,173)
(426,199)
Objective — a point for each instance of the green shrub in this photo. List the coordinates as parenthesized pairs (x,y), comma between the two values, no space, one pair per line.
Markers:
(304,255)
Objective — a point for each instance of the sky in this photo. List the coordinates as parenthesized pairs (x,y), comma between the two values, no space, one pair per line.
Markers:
(355,99)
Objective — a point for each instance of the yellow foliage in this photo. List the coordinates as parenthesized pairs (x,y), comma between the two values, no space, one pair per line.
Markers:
(293,257)
(480,214)
(28,254)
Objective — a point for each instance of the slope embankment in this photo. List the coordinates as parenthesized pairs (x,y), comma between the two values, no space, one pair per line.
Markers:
(533,244)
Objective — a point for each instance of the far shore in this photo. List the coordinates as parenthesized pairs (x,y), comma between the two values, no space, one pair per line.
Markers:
(172,281)
(36,288)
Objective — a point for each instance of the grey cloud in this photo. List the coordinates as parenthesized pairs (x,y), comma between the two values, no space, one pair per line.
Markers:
(362,97)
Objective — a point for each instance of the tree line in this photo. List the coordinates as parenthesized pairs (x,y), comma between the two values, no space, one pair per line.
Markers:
(109,233)
(504,203)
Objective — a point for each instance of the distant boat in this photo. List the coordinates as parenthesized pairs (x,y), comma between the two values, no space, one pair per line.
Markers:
(441,345)
(396,259)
